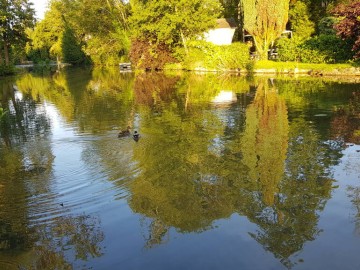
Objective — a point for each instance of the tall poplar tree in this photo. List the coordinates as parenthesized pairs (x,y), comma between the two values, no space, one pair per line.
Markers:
(265,20)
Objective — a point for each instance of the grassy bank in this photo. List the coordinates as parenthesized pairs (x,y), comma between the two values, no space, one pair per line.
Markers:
(312,69)
(291,65)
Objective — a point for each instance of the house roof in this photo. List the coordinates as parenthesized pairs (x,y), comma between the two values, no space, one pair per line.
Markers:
(226,23)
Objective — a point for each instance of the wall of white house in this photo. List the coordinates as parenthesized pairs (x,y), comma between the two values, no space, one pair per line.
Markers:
(220,36)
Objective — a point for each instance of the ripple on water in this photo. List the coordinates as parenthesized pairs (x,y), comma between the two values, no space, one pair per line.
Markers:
(8,264)
(84,179)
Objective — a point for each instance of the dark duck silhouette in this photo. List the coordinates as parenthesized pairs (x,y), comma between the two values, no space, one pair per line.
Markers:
(124,133)
(136,136)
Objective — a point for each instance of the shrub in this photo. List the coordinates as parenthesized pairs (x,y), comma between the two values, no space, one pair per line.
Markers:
(288,49)
(326,25)
(333,48)
(311,56)
(205,55)
(319,49)
(146,55)
(6,70)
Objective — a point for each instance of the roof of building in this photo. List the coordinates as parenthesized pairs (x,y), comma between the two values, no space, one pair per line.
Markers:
(226,23)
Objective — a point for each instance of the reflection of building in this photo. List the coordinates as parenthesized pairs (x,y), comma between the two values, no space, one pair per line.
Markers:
(223,33)
(225,96)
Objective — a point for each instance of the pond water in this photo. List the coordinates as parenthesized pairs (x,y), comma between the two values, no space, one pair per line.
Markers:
(228,173)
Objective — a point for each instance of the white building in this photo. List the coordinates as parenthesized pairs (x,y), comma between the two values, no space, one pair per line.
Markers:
(224,32)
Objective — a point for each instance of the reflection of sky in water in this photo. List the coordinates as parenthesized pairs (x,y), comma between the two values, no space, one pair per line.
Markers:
(89,171)
(338,239)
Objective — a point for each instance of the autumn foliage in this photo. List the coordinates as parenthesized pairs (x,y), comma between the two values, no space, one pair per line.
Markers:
(146,55)
(349,25)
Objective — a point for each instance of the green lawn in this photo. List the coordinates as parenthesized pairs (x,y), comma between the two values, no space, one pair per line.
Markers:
(266,64)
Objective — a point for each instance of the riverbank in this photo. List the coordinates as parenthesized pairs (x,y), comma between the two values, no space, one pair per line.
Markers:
(262,67)
(272,67)
(284,68)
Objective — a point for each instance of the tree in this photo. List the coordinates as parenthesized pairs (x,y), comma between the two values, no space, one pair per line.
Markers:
(72,52)
(15,17)
(230,8)
(348,28)
(45,39)
(265,20)
(171,22)
(72,28)
(107,43)
(300,22)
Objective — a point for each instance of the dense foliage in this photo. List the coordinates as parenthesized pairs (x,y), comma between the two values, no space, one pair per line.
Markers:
(170,23)
(207,56)
(299,18)
(151,34)
(147,55)
(72,29)
(15,17)
(349,25)
(318,49)
(325,47)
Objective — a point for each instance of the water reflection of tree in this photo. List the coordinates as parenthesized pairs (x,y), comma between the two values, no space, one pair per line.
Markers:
(152,89)
(345,124)
(23,119)
(183,182)
(95,101)
(303,192)
(354,194)
(76,237)
(276,174)
(25,164)
(26,167)
(265,141)
(63,242)
(180,182)
(288,167)
(157,232)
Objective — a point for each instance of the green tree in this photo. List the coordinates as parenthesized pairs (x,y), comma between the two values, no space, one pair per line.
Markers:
(265,20)
(46,38)
(72,28)
(171,22)
(71,50)
(15,17)
(299,18)
(230,8)
(103,28)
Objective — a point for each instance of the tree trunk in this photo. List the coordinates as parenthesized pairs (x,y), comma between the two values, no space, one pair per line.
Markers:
(6,53)
(262,47)
(1,57)
(184,41)
(58,62)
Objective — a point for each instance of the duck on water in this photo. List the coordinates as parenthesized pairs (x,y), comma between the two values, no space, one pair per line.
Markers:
(136,136)
(127,133)
(124,133)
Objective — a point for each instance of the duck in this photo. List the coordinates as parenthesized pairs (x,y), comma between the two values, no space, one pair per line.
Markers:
(136,136)
(124,133)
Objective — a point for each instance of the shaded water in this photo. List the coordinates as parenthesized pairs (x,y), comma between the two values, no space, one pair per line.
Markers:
(229,172)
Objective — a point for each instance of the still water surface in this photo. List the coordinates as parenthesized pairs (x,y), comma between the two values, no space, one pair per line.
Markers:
(228,173)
